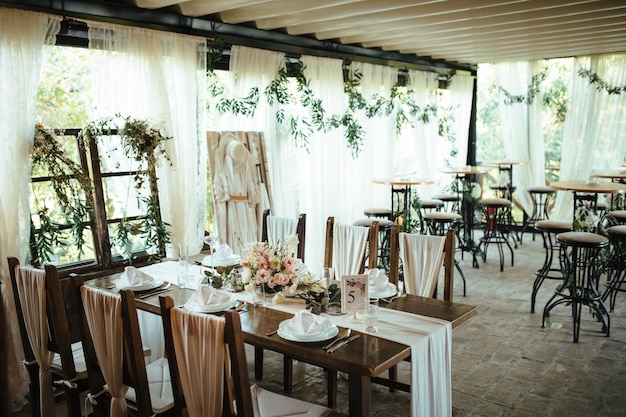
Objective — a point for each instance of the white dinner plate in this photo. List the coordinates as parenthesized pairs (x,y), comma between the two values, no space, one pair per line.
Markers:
(201,308)
(145,285)
(389,290)
(231,260)
(330,331)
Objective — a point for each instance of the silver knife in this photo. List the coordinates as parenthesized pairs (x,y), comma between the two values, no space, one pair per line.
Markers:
(343,343)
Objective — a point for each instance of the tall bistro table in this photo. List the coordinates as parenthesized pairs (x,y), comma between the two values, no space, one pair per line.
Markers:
(364,360)
(582,188)
(618,176)
(466,211)
(506,167)
(402,194)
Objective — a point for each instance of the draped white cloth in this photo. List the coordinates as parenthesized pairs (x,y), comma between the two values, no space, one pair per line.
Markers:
(460,97)
(422,258)
(199,339)
(161,77)
(522,128)
(278,228)
(237,194)
(23,35)
(103,310)
(31,286)
(349,244)
(594,135)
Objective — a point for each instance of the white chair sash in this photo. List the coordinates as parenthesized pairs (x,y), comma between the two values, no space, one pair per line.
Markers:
(199,339)
(31,287)
(349,243)
(104,318)
(278,228)
(422,258)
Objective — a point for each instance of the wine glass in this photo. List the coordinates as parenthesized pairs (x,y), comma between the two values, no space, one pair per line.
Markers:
(212,241)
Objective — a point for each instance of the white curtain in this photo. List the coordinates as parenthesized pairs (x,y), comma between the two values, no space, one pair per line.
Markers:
(326,170)
(460,97)
(522,129)
(22,37)
(257,68)
(375,159)
(159,76)
(420,147)
(594,136)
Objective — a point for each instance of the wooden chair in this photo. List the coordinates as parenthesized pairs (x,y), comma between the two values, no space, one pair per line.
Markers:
(111,323)
(68,368)
(194,338)
(275,228)
(346,247)
(447,257)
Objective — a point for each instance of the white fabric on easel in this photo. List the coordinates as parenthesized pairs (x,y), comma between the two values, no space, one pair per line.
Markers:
(422,258)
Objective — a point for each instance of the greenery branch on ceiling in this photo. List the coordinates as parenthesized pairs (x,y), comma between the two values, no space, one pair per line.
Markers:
(400,101)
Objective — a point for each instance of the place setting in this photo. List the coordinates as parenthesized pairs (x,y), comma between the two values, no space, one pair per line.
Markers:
(206,299)
(306,327)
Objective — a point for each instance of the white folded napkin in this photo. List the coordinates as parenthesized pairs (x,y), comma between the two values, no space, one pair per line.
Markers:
(208,296)
(223,251)
(132,277)
(377,278)
(306,323)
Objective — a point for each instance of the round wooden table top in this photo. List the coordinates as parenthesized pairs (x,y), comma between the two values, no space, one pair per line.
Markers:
(466,170)
(589,187)
(620,174)
(403,181)
(500,163)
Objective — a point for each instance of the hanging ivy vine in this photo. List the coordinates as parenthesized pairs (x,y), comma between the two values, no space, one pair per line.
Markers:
(594,79)
(301,127)
(531,91)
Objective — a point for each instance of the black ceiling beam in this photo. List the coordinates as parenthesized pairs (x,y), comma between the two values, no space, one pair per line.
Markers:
(166,20)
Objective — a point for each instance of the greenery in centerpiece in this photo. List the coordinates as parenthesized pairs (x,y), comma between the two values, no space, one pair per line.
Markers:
(318,297)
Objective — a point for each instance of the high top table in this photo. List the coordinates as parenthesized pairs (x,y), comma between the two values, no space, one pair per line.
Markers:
(466,211)
(401,194)
(588,187)
(618,176)
(507,168)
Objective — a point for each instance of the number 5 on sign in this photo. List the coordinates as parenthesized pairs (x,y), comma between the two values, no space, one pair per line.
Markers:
(354,293)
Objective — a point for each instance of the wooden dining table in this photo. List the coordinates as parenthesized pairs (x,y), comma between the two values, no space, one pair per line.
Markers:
(364,360)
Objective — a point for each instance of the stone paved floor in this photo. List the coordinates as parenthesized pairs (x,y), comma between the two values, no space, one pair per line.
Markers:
(503,362)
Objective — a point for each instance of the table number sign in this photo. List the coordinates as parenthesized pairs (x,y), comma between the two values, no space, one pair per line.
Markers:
(354,293)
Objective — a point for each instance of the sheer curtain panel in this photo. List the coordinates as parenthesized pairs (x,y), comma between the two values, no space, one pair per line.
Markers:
(23,35)
(160,77)
(594,136)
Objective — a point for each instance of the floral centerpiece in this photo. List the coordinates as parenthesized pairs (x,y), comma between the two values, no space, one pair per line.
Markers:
(318,297)
(273,268)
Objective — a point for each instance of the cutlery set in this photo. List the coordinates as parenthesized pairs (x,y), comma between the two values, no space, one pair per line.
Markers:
(156,291)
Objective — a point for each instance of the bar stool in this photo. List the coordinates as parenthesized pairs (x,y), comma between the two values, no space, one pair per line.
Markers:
(618,215)
(548,229)
(384,234)
(450,201)
(428,206)
(541,198)
(579,252)
(438,224)
(497,226)
(378,213)
(616,271)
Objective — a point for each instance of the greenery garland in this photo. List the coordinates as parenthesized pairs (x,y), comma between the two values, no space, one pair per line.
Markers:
(302,127)
(600,83)
(531,92)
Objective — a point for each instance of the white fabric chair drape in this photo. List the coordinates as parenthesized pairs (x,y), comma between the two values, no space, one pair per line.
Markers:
(161,77)
(199,339)
(422,258)
(278,228)
(594,135)
(104,318)
(349,243)
(23,35)
(31,286)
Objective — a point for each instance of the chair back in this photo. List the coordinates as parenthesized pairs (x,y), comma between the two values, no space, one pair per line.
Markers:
(209,390)
(29,289)
(347,245)
(422,258)
(277,228)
